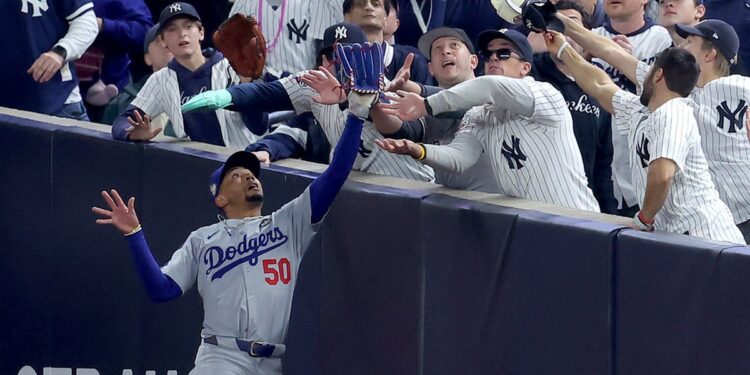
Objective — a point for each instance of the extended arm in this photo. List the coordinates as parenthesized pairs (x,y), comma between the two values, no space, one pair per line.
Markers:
(601,47)
(253,96)
(159,287)
(591,79)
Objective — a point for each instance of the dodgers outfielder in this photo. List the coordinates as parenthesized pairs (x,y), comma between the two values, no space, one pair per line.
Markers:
(292,93)
(246,265)
(291,28)
(721,104)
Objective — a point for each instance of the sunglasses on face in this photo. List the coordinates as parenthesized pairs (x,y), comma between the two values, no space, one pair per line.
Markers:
(501,54)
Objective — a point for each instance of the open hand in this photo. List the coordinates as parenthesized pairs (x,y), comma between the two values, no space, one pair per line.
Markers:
(122,216)
(400,146)
(140,127)
(407,106)
(623,42)
(328,87)
(403,75)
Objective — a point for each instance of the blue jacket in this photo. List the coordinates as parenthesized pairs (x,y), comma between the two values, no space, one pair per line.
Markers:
(125,23)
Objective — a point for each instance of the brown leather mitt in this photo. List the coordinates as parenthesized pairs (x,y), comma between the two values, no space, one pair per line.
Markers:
(240,40)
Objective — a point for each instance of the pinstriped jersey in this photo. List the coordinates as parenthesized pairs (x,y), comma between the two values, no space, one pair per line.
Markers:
(290,30)
(370,158)
(692,204)
(534,157)
(647,43)
(161,94)
(721,110)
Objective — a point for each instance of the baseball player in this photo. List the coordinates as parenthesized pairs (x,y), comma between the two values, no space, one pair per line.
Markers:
(41,39)
(524,125)
(188,74)
(292,93)
(291,28)
(721,104)
(669,170)
(246,265)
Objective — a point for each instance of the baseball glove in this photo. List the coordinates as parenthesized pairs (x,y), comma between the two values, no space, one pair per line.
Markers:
(240,40)
(539,16)
(362,65)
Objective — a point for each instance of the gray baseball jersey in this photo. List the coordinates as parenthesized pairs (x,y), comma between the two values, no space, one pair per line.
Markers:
(290,29)
(246,270)
(722,106)
(527,130)
(161,94)
(647,42)
(371,158)
(692,204)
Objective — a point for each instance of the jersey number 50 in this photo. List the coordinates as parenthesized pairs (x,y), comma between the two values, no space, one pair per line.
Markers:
(277,270)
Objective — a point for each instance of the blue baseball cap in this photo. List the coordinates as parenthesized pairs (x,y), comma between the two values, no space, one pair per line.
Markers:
(177,9)
(150,37)
(519,40)
(720,33)
(344,33)
(425,41)
(238,159)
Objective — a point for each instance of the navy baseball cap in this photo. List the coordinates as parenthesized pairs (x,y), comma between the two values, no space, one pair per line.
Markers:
(150,37)
(238,159)
(175,10)
(519,40)
(426,40)
(344,33)
(720,33)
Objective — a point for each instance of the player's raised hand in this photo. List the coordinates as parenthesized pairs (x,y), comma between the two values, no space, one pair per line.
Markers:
(400,146)
(45,67)
(208,101)
(407,106)
(122,216)
(328,87)
(140,127)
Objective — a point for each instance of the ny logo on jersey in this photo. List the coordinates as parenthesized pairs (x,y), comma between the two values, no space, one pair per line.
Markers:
(642,151)
(299,31)
(340,33)
(176,7)
(735,118)
(39,7)
(514,155)
(363,151)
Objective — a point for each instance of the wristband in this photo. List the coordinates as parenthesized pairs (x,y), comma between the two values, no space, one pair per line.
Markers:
(562,48)
(134,231)
(422,152)
(60,50)
(642,223)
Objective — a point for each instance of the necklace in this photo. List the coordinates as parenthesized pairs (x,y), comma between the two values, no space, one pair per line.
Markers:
(279,28)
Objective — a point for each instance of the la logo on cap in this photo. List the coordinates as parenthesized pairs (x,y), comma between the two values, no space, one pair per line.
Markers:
(340,32)
(176,7)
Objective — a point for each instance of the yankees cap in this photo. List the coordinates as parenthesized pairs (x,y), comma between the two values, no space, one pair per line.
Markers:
(175,10)
(238,159)
(426,40)
(150,37)
(344,33)
(720,33)
(513,36)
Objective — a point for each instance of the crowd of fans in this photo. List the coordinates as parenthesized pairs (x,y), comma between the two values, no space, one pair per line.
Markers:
(136,64)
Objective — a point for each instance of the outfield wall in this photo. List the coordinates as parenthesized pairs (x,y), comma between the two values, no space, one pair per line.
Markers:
(405,277)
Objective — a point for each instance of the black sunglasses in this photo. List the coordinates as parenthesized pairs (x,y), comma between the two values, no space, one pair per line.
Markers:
(501,54)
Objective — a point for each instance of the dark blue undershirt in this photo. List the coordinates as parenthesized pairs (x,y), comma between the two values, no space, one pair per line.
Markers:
(201,126)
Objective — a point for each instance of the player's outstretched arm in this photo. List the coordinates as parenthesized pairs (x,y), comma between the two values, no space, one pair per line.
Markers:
(253,96)
(123,217)
(601,47)
(591,79)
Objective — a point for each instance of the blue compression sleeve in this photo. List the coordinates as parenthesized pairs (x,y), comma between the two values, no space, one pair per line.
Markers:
(325,187)
(269,97)
(160,287)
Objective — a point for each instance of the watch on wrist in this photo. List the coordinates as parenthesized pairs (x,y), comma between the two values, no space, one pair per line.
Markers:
(60,50)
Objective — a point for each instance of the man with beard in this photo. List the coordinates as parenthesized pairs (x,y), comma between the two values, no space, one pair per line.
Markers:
(669,171)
